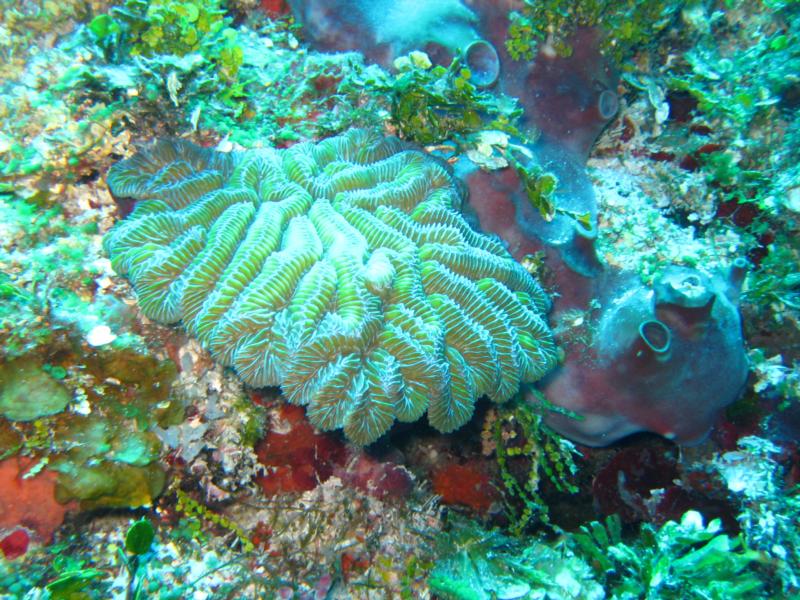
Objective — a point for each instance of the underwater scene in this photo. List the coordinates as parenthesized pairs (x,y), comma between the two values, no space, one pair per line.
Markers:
(445,299)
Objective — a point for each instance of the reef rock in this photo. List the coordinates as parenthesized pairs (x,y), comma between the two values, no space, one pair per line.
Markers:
(341,271)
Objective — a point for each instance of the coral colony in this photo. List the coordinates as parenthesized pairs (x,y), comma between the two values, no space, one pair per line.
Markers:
(460,300)
(341,272)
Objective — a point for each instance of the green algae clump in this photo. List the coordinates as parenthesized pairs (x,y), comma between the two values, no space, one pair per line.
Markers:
(28,392)
(109,485)
(625,24)
(106,463)
(104,453)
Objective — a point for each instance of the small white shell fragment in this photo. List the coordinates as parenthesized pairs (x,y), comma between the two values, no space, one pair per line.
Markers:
(100,335)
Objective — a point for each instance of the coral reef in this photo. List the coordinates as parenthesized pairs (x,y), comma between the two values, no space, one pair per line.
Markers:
(339,271)
(182,482)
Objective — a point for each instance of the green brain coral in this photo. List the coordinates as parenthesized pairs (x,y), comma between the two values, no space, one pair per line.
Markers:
(341,271)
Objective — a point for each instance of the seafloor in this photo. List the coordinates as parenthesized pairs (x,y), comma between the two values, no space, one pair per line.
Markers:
(134,465)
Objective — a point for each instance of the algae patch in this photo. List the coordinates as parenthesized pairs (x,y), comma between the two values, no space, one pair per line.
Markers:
(27,392)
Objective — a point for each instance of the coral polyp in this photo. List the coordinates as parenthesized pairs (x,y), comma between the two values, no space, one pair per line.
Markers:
(341,271)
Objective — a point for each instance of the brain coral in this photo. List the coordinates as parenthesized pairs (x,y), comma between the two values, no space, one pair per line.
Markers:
(341,271)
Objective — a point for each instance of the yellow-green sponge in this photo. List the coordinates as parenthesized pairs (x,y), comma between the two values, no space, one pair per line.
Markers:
(341,271)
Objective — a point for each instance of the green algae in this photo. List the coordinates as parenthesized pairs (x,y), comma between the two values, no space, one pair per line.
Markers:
(108,485)
(106,457)
(431,104)
(625,24)
(140,537)
(28,392)
(169,27)
(110,458)
(745,87)
(478,564)
(685,559)
(528,451)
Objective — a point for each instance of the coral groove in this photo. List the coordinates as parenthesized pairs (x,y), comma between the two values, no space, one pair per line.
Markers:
(341,271)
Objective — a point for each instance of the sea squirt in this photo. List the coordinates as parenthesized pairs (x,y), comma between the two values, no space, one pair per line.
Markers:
(664,359)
